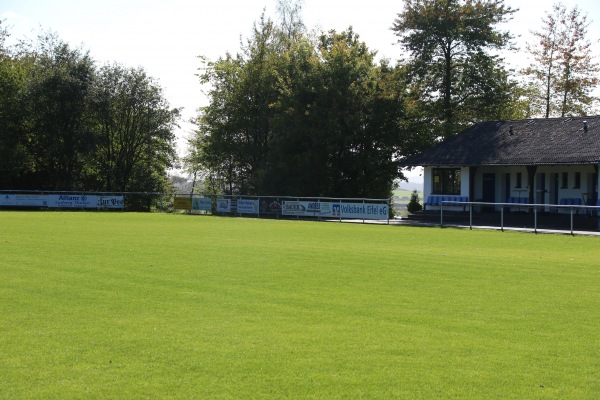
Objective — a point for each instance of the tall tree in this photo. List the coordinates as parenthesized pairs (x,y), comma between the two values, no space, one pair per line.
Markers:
(313,117)
(56,101)
(563,62)
(134,131)
(451,64)
(290,17)
(236,125)
(15,160)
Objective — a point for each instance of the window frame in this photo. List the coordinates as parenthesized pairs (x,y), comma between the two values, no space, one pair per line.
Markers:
(448,181)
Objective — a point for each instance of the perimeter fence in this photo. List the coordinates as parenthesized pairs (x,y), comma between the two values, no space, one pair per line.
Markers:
(216,204)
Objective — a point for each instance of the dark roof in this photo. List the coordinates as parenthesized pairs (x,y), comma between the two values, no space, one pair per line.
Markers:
(532,142)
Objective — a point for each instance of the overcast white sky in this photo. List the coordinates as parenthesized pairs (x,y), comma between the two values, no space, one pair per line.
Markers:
(165,37)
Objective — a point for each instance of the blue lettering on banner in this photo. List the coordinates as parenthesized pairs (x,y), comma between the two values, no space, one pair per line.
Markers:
(313,207)
(336,210)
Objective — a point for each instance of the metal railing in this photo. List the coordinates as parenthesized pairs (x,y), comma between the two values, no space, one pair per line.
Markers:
(534,217)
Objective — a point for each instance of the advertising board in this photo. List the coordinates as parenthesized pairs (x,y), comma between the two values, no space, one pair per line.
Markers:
(8,200)
(224,205)
(72,201)
(247,206)
(182,203)
(111,202)
(31,200)
(335,210)
(360,210)
(201,204)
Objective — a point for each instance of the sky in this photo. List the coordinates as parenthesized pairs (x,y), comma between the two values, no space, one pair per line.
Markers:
(166,37)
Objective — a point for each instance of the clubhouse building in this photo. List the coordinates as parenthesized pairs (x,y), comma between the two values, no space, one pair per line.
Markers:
(533,161)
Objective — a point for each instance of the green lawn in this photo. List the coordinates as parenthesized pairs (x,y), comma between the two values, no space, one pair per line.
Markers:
(102,305)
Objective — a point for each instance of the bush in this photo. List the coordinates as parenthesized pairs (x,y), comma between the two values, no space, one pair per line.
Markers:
(413,205)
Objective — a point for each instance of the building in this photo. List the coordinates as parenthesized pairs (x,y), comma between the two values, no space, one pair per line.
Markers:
(534,161)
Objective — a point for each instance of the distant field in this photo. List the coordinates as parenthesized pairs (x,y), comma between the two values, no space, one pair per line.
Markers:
(128,306)
(401,193)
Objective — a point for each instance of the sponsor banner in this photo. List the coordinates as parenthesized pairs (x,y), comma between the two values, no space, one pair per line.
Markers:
(224,205)
(293,208)
(247,206)
(182,203)
(8,200)
(360,210)
(72,201)
(201,204)
(111,202)
(31,200)
(335,210)
(269,206)
(307,208)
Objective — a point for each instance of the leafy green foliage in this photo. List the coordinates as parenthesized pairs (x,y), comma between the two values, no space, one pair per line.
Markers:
(296,116)
(454,75)
(67,125)
(564,67)
(414,205)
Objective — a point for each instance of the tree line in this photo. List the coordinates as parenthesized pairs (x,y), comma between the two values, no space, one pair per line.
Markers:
(299,113)
(293,111)
(67,123)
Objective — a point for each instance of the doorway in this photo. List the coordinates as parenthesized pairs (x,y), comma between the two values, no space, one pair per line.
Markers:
(489,191)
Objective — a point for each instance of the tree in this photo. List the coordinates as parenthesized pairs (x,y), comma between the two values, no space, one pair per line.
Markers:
(563,62)
(361,112)
(291,24)
(55,100)
(15,160)
(235,128)
(451,68)
(133,131)
(312,117)
(414,205)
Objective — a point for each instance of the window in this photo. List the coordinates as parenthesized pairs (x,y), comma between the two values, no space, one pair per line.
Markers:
(519,180)
(565,180)
(446,181)
(577,180)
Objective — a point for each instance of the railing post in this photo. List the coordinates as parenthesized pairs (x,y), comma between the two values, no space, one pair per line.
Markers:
(572,220)
(441,214)
(502,218)
(534,218)
(471,216)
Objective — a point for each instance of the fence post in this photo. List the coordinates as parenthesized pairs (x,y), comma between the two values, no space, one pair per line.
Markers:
(441,214)
(572,220)
(363,210)
(502,218)
(534,218)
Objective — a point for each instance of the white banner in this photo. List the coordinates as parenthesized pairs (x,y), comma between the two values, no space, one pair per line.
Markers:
(72,201)
(336,210)
(201,204)
(111,202)
(247,206)
(223,205)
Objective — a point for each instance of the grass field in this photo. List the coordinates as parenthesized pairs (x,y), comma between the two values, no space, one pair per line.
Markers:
(134,306)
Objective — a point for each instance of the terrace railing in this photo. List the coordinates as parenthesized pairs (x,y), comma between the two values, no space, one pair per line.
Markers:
(522,216)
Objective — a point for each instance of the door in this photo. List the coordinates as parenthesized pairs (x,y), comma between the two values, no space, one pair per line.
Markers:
(541,188)
(489,191)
